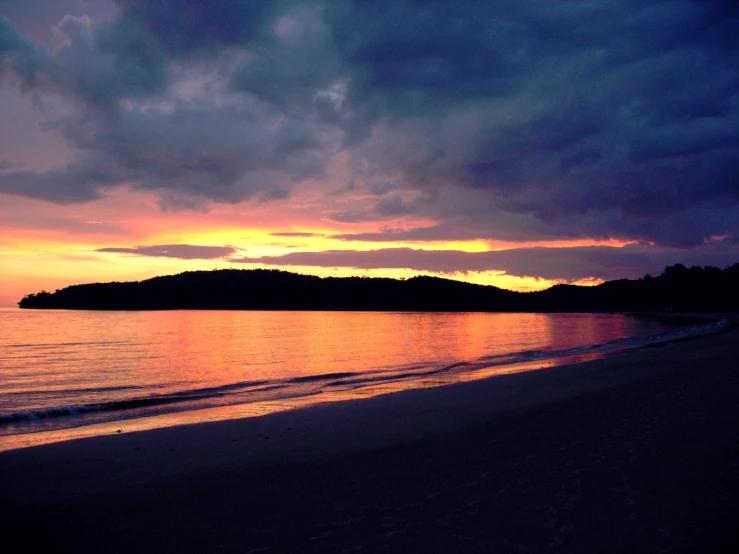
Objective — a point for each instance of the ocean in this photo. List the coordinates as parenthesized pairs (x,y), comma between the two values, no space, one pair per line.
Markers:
(72,370)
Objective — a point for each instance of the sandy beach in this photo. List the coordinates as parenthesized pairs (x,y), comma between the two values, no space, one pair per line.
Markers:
(638,452)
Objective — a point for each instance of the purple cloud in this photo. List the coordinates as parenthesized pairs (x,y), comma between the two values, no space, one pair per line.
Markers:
(179,251)
(600,119)
(569,264)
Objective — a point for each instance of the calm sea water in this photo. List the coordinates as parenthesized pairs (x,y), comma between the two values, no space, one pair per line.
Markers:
(64,369)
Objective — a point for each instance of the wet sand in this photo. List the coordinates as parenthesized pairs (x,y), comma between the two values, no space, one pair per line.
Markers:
(638,452)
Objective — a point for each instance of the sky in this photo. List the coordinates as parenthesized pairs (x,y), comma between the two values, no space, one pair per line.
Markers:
(518,143)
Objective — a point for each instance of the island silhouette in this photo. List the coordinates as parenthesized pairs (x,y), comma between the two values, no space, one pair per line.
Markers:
(678,288)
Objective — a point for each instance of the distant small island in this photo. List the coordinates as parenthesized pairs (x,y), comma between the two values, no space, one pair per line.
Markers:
(678,288)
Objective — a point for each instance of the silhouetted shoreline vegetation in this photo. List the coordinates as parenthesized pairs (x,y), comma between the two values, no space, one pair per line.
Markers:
(678,288)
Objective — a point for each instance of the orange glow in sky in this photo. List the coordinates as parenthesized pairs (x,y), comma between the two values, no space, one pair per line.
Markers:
(57,245)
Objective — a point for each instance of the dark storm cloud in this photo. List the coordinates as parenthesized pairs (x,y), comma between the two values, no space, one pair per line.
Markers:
(393,206)
(97,65)
(78,182)
(179,251)
(137,117)
(356,216)
(18,55)
(387,208)
(351,186)
(464,214)
(184,27)
(615,118)
(35,18)
(378,189)
(225,153)
(610,111)
(569,264)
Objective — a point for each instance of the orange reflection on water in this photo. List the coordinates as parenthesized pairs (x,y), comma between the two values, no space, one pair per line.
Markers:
(239,364)
(262,408)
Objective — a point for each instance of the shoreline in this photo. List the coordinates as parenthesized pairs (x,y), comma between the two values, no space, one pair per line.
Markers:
(443,377)
(633,452)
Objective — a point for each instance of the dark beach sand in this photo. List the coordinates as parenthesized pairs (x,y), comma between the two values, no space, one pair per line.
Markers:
(638,452)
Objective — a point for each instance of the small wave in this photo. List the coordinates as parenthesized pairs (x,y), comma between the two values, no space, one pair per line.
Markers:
(133,403)
(396,376)
(221,388)
(269,388)
(62,411)
(321,377)
(530,355)
(44,413)
(576,350)
(690,332)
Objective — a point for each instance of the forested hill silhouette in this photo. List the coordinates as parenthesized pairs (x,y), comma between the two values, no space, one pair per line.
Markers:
(678,288)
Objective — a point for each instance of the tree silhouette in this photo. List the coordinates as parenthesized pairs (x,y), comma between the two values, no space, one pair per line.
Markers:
(678,288)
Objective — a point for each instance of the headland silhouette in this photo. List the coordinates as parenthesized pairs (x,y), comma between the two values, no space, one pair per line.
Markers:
(678,288)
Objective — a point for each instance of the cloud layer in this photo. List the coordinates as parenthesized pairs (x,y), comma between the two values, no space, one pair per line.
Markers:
(609,119)
(565,264)
(179,251)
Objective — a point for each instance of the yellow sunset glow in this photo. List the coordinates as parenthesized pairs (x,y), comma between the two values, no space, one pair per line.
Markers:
(64,251)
